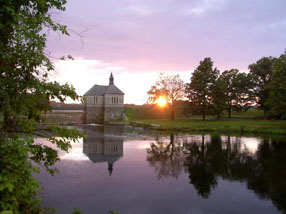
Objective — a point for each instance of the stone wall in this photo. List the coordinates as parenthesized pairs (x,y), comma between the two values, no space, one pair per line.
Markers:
(113,113)
(94,114)
(64,117)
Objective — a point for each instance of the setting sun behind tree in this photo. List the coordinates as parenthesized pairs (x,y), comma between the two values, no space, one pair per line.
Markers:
(161,101)
(168,89)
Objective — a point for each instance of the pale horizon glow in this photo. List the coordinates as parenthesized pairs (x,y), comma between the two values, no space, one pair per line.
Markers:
(83,74)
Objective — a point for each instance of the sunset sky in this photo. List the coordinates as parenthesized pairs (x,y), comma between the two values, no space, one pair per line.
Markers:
(136,40)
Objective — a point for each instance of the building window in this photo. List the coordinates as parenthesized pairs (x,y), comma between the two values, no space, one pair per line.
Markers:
(114,100)
(95,100)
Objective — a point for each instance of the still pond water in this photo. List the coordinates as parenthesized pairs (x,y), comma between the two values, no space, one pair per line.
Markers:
(132,171)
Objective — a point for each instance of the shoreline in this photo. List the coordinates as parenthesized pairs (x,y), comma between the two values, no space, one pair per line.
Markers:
(241,127)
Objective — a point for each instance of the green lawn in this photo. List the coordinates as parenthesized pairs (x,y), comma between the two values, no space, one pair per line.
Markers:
(245,122)
(221,126)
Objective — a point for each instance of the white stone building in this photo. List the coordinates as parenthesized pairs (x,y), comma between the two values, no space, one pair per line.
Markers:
(104,103)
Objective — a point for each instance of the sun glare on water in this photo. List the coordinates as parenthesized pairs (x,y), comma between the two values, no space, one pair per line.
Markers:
(161,101)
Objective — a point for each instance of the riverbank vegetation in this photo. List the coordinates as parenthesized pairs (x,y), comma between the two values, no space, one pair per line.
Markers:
(211,92)
(242,122)
(241,127)
(25,93)
(228,101)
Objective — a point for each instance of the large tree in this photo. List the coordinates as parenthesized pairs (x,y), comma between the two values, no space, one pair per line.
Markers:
(277,89)
(219,96)
(199,90)
(171,87)
(238,91)
(262,75)
(25,93)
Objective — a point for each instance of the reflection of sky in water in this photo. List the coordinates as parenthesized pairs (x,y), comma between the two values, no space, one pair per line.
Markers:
(249,144)
(75,153)
(134,186)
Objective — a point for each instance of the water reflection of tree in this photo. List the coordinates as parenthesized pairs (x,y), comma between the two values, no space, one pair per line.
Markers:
(263,171)
(202,163)
(267,178)
(166,157)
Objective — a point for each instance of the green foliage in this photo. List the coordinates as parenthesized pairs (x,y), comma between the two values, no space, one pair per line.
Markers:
(199,90)
(18,187)
(277,98)
(219,97)
(238,91)
(77,211)
(210,93)
(262,75)
(24,64)
(6,212)
(25,93)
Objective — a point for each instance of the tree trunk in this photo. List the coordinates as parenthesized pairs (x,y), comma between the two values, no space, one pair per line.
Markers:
(204,109)
(229,111)
(203,146)
(172,112)
(265,114)
(171,144)
(218,116)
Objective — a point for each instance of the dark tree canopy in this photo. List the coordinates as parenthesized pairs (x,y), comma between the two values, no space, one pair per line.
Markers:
(262,75)
(277,89)
(199,90)
(238,91)
(219,96)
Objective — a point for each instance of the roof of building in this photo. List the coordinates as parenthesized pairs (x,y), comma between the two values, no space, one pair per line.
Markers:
(99,158)
(101,90)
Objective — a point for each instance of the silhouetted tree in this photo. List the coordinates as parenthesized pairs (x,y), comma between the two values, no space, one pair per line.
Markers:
(199,90)
(219,97)
(238,90)
(262,75)
(171,87)
(277,98)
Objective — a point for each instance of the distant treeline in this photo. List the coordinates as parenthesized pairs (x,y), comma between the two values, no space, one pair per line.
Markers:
(211,92)
(66,106)
(153,111)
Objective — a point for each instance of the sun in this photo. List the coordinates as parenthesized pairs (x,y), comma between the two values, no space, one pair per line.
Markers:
(161,101)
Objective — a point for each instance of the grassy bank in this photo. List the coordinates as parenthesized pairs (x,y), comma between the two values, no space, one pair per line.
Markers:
(154,112)
(222,126)
(245,122)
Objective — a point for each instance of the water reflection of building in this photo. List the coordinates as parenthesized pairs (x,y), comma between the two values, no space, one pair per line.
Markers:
(103,144)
